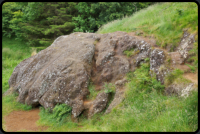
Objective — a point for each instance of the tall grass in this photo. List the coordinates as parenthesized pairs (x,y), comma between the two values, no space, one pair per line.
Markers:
(13,52)
(164,21)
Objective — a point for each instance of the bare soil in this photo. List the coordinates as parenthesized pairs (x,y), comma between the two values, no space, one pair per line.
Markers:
(23,121)
(192,76)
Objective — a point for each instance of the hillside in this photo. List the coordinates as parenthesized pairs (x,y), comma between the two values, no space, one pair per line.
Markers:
(163,21)
(147,104)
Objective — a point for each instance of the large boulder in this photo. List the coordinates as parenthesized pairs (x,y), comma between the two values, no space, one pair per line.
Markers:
(58,74)
(61,72)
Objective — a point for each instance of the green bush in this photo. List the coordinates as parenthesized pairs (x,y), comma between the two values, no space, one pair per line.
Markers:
(8,9)
(142,79)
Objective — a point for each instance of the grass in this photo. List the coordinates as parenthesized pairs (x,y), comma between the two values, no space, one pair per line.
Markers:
(163,21)
(13,52)
(93,92)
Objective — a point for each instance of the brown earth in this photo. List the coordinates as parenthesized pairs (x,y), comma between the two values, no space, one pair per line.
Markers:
(192,76)
(23,121)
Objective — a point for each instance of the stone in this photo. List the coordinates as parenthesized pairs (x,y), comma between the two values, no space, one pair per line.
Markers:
(180,89)
(61,73)
(186,45)
(157,64)
(99,104)
(58,74)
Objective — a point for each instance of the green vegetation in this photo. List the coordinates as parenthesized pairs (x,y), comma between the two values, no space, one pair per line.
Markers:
(13,52)
(164,21)
(131,52)
(93,92)
(193,69)
(28,21)
(57,119)
(169,78)
(143,81)
(92,15)
(109,88)
(60,112)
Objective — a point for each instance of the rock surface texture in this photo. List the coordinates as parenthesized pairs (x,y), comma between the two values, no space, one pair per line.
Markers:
(61,72)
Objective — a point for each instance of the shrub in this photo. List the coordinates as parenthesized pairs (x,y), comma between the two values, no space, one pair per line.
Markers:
(142,79)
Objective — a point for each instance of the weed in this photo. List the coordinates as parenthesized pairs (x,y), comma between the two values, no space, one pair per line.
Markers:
(192,68)
(170,77)
(194,54)
(131,52)
(109,88)
(60,111)
(93,92)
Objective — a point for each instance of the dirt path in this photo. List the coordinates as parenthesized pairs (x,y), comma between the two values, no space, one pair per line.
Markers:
(23,121)
(192,77)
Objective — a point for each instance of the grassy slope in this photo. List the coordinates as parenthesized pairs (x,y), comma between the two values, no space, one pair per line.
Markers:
(140,111)
(161,21)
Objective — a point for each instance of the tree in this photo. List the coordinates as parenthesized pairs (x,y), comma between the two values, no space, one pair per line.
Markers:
(10,10)
(47,21)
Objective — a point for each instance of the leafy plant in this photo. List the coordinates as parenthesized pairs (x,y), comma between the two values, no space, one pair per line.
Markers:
(60,111)
(142,79)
